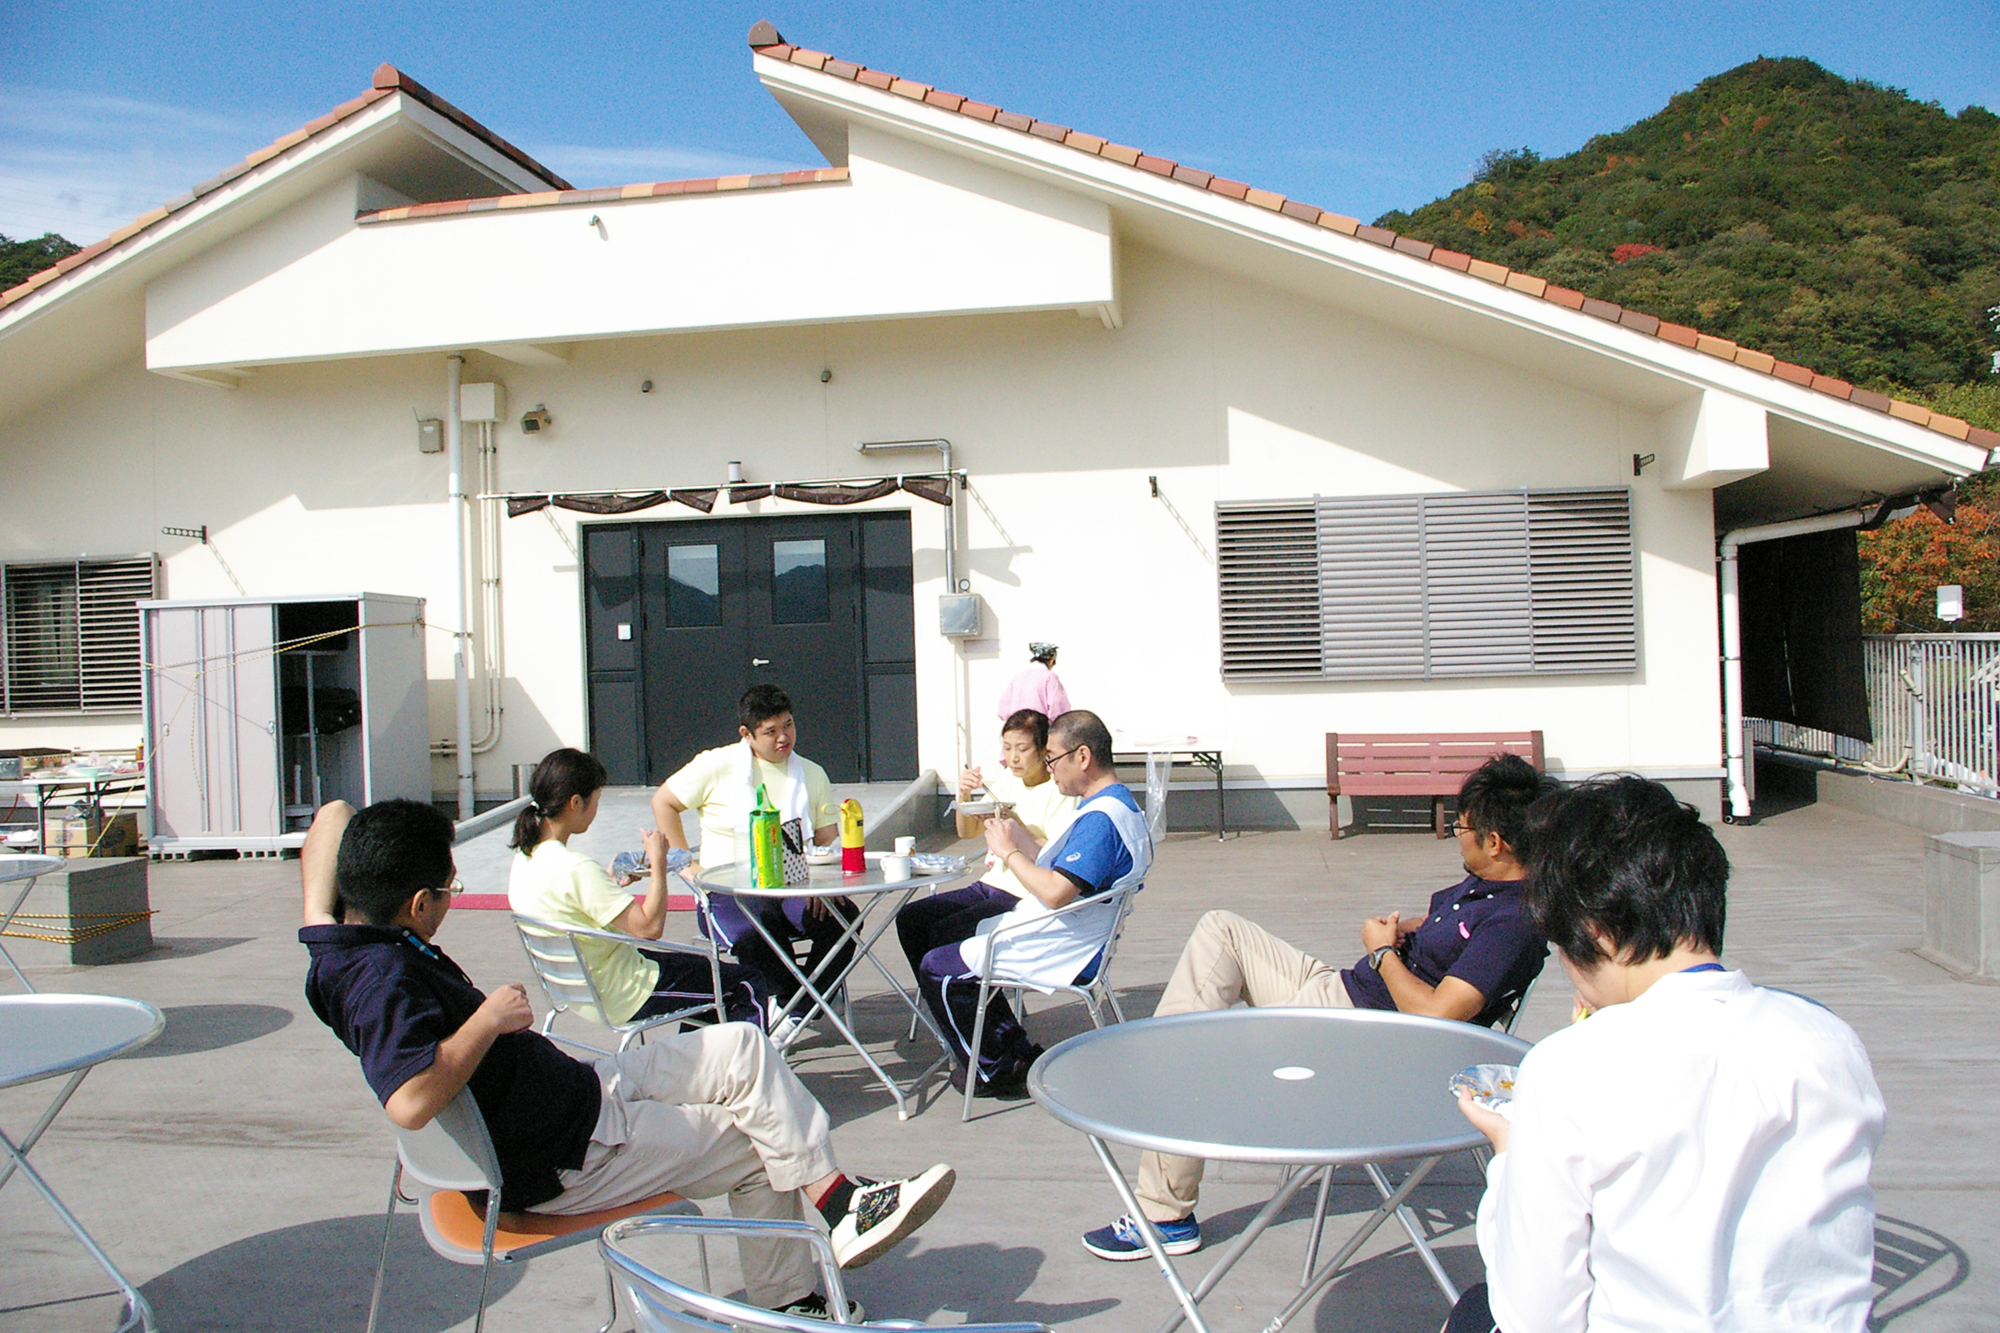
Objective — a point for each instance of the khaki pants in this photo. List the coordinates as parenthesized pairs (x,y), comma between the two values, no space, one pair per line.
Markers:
(1228,959)
(705,1113)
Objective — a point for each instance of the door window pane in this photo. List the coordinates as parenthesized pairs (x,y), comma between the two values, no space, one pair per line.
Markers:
(694,586)
(798,582)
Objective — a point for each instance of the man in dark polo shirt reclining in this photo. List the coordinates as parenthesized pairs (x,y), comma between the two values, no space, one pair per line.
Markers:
(707,1112)
(1466,958)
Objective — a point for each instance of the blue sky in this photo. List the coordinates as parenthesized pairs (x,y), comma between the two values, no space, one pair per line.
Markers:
(107,109)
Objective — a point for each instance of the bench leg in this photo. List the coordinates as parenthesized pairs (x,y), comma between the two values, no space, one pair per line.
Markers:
(1333,817)
(1437,817)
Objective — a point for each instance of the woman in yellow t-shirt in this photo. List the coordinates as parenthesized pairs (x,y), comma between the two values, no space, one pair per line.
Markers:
(552,883)
(1022,785)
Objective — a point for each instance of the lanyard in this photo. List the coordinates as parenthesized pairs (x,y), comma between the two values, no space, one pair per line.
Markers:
(1704,967)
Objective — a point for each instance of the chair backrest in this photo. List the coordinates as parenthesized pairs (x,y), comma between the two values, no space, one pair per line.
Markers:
(452,1152)
(559,966)
(1505,1023)
(661,1305)
(1101,964)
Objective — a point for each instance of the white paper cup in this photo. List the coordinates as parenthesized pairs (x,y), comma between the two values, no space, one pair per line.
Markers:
(895,869)
(905,846)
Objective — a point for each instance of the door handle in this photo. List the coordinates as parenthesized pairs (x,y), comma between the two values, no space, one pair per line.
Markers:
(760,661)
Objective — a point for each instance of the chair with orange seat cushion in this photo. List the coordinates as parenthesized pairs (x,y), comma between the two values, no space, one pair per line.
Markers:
(452,1156)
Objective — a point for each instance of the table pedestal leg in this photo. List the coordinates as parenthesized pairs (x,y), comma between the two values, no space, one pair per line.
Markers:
(137,1311)
(1147,1230)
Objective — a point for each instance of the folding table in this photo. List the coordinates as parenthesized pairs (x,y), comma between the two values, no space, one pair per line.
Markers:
(1299,1088)
(43,1036)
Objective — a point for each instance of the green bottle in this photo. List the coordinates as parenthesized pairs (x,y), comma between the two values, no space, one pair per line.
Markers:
(767,860)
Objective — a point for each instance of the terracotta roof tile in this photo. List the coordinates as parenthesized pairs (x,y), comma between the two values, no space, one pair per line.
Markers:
(1042,129)
(978,110)
(1119,152)
(1828,385)
(610,194)
(1013,120)
(1985,439)
(1194,176)
(1792,374)
(1908,411)
(1264,199)
(1713,346)
(1307,213)
(1410,245)
(840,69)
(1527,284)
(1566,297)
(1089,143)
(1605,310)
(1224,186)
(810,59)
(949,101)
(1451,259)
(1640,322)
(906,88)
(1159,166)
(1488,270)
(1956,427)
(874,78)
(1381,236)
(1868,398)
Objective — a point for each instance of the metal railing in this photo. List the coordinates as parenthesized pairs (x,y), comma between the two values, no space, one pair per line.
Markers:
(1934,701)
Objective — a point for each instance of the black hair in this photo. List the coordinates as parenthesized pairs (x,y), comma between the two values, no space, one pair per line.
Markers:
(388,852)
(1032,721)
(1080,727)
(1495,796)
(561,774)
(1621,856)
(759,704)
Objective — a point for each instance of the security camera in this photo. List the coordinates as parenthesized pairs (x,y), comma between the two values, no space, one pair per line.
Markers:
(536,420)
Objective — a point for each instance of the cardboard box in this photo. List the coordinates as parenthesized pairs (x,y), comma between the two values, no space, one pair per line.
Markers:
(82,831)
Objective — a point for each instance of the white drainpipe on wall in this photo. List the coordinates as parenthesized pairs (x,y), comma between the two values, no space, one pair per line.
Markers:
(1732,643)
(461,682)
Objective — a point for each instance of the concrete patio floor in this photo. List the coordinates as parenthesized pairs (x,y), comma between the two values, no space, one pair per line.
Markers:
(237,1168)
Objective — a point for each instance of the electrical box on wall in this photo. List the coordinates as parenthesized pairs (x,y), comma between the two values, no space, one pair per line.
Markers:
(482,402)
(958,615)
(430,435)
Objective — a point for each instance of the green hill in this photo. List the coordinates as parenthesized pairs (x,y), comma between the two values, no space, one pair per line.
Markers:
(21,260)
(1827,221)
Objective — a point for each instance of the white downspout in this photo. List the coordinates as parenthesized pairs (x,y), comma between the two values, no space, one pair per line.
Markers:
(461,682)
(1732,643)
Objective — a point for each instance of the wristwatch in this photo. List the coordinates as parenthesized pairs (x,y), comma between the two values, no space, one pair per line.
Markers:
(1375,956)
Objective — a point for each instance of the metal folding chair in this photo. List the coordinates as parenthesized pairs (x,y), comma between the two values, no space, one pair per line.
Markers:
(1093,984)
(454,1154)
(554,954)
(661,1305)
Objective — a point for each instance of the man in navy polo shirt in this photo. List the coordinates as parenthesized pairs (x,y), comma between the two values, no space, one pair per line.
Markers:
(1467,958)
(707,1112)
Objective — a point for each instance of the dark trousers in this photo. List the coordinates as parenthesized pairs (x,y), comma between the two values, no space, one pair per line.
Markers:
(685,980)
(824,930)
(1471,1314)
(951,989)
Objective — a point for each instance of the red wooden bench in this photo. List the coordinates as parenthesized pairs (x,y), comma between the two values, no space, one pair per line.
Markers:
(1415,764)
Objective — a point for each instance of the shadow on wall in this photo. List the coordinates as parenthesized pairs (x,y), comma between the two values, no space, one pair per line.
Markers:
(325,1271)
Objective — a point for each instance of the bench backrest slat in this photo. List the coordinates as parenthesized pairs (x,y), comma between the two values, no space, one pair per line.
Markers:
(1417,764)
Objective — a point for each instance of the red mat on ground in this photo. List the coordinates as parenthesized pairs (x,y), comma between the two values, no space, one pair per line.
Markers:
(497,902)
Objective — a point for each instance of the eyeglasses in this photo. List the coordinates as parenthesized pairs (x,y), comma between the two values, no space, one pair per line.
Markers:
(1460,826)
(1050,761)
(454,887)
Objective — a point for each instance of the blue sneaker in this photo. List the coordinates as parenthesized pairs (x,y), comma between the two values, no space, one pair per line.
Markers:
(1122,1239)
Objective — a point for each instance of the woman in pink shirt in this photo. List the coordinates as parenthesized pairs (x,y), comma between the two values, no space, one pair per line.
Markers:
(1036,686)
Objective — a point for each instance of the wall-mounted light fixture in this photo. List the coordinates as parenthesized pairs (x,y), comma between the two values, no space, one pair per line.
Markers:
(536,420)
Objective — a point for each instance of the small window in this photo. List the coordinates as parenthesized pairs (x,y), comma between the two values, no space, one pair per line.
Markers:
(694,586)
(72,635)
(798,582)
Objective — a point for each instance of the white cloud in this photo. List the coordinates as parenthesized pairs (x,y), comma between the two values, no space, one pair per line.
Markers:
(84,164)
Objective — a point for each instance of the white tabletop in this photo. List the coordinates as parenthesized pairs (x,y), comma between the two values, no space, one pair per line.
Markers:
(26,867)
(45,1035)
(1296,1086)
(826,882)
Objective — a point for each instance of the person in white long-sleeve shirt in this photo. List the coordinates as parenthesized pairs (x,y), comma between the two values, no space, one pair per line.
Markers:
(1695,1154)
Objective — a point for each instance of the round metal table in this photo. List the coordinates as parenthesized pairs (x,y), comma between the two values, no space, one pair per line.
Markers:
(46,1036)
(871,889)
(26,869)
(1306,1088)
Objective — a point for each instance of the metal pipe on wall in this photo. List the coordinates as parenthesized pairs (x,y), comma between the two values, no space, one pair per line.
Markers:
(1734,758)
(461,682)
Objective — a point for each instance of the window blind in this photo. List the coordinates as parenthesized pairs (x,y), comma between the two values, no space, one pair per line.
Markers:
(1428,586)
(72,634)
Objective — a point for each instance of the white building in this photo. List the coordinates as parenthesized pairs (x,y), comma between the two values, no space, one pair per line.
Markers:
(1123,355)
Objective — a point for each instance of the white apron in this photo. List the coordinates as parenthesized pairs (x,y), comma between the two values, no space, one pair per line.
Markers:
(1051,955)
(730,920)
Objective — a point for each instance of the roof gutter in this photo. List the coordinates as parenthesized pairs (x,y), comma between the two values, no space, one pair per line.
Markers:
(1738,790)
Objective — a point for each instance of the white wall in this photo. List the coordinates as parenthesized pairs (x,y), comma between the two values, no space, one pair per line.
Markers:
(309,478)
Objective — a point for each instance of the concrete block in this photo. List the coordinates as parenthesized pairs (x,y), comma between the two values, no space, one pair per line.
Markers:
(1962,902)
(90,910)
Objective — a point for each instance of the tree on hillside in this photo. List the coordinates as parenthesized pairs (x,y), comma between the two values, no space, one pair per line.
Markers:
(1827,221)
(21,260)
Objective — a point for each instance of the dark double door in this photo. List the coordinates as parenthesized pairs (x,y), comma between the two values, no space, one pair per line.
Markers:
(681,618)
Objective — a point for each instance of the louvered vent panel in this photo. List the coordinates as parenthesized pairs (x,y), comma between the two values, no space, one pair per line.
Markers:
(41,639)
(1371,588)
(108,631)
(1476,584)
(1268,574)
(1580,555)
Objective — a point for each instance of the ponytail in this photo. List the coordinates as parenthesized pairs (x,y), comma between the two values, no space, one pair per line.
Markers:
(561,774)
